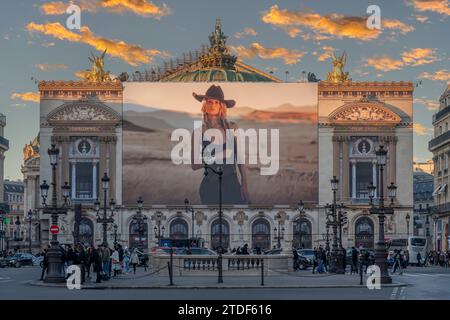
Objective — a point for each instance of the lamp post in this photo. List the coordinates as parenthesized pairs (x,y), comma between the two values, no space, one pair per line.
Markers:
(140,220)
(381,210)
(104,220)
(279,230)
(408,218)
(55,273)
(158,228)
(301,210)
(219,173)
(337,256)
(115,234)
(30,216)
(17,233)
(188,208)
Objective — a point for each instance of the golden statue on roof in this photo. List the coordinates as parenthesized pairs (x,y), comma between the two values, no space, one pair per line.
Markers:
(338,74)
(97,72)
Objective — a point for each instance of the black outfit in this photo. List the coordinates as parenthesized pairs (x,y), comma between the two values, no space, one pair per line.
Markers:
(231,187)
(354,266)
(97,261)
(44,266)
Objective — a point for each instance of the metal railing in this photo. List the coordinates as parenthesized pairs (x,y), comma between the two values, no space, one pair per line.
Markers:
(439,139)
(4,143)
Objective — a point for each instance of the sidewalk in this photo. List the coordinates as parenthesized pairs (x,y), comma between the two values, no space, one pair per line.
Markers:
(231,280)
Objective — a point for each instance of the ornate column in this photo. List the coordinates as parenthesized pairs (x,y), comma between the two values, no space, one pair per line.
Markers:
(374,175)
(94,180)
(345,168)
(102,163)
(74,180)
(112,165)
(354,179)
(2,158)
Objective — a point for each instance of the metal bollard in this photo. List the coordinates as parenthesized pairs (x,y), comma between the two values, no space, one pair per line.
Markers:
(169,267)
(262,272)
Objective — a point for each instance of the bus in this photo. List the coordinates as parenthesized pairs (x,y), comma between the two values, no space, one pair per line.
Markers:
(414,245)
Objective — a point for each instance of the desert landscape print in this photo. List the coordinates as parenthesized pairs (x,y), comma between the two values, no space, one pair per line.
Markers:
(152,111)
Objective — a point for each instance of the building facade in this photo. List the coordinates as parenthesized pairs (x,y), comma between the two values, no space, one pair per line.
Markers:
(423,202)
(4,146)
(440,147)
(84,120)
(16,230)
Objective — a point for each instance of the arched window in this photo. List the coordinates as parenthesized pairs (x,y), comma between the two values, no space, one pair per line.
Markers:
(138,234)
(86,232)
(302,234)
(178,229)
(261,234)
(215,234)
(364,233)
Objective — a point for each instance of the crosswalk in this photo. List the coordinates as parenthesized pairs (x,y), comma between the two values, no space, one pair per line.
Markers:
(5,279)
(432,275)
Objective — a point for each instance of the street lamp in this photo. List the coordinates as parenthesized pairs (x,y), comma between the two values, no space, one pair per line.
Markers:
(337,256)
(55,273)
(219,173)
(279,230)
(158,228)
(105,219)
(30,216)
(116,235)
(408,218)
(188,208)
(140,220)
(301,209)
(381,211)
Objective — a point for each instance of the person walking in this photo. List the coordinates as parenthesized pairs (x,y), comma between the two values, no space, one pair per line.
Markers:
(295,257)
(44,264)
(126,260)
(115,262)
(398,261)
(419,259)
(354,265)
(134,260)
(97,261)
(88,261)
(314,261)
(106,257)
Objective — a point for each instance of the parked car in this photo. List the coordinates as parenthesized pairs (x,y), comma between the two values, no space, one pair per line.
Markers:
(20,259)
(273,251)
(307,253)
(38,261)
(199,251)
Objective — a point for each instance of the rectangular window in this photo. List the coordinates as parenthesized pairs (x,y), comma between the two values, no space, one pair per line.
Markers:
(83,180)
(364,176)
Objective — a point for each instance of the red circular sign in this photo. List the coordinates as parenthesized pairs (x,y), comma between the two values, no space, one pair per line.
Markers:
(54,229)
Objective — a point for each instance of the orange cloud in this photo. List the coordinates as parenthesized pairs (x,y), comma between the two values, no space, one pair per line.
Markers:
(439,6)
(421,19)
(421,130)
(59,7)
(431,105)
(130,53)
(329,26)
(440,75)
(246,32)
(140,7)
(415,57)
(257,50)
(26,96)
(49,66)
(326,54)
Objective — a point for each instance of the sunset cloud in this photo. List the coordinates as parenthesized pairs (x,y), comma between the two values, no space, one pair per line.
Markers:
(326,54)
(414,57)
(246,32)
(257,50)
(439,6)
(421,19)
(421,130)
(26,96)
(440,75)
(328,26)
(50,67)
(140,7)
(130,53)
(431,105)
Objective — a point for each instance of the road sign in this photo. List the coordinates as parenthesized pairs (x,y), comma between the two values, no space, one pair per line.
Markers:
(54,229)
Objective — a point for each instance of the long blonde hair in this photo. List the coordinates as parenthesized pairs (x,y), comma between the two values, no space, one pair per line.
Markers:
(222,116)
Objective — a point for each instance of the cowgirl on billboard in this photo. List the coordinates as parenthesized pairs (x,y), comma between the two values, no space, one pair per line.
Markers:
(214,109)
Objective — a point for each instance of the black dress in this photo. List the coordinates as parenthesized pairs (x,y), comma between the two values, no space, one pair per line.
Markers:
(231,188)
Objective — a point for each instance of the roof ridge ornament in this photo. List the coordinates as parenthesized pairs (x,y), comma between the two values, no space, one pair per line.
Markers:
(338,75)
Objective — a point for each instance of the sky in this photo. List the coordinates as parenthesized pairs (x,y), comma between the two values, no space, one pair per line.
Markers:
(286,37)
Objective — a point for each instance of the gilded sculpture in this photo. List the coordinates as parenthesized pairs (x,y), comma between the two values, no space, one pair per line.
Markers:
(338,74)
(97,72)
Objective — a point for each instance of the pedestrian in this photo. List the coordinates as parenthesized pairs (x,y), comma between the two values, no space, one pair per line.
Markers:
(134,260)
(419,259)
(44,264)
(97,261)
(115,262)
(106,258)
(245,249)
(126,260)
(314,261)
(295,256)
(398,261)
(88,261)
(354,265)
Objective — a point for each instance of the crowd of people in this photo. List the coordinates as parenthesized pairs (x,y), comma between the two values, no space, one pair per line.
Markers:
(103,261)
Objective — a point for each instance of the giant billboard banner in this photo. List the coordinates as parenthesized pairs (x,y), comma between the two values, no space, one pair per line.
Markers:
(241,143)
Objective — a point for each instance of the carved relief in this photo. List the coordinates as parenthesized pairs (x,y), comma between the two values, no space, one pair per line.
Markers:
(82,111)
(240,217)
(364,112)
(199,217)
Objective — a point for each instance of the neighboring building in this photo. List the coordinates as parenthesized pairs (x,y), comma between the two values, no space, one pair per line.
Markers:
(423,202)
(440,147)
(427,166)
(15,228)
(4,146)
(84,120)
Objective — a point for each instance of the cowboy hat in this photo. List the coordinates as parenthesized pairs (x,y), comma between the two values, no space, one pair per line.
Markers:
(215,92)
